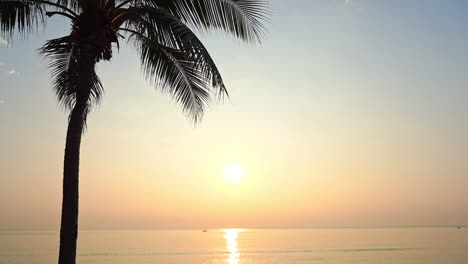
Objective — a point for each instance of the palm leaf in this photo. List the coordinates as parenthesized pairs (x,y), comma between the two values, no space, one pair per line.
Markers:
(22,15)
(64,54)
(242,18)
(174,71)
(171,32)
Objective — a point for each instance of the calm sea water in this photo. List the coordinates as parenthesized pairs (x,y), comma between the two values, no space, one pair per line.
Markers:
(236,246)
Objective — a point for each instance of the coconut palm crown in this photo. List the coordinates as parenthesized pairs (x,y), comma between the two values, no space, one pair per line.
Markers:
(172,58)
(161,30)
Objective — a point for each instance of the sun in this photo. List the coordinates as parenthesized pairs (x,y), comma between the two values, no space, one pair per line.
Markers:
(233,173)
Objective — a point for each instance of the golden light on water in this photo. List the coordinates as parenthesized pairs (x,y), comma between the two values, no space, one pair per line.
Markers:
(231,245)
(233,173)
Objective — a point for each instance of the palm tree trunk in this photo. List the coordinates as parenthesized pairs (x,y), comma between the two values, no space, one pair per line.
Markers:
(69,222)
(76,123)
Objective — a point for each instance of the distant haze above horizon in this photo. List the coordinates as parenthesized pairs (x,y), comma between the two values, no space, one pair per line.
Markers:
(352,113)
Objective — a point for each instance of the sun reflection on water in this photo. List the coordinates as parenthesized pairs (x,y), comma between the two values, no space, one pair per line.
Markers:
(231,245)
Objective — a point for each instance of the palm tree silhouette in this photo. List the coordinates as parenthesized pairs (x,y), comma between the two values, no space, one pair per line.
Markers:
(172,57)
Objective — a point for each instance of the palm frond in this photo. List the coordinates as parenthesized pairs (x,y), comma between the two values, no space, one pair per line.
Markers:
(243,18)
(26,16)
(171,32)
(71,4)
(22,15)
(174,71)
(64,54)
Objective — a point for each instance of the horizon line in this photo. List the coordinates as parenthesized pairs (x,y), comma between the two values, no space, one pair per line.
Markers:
(246,228)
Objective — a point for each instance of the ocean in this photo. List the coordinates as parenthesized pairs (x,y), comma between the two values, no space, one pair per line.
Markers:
(448,245)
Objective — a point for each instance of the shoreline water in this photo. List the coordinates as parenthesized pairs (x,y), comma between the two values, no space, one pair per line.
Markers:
(426,245)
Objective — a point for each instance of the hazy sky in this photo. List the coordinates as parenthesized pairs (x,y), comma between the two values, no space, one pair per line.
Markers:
(351,113)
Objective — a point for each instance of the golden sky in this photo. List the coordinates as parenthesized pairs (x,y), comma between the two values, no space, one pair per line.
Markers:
(351,113)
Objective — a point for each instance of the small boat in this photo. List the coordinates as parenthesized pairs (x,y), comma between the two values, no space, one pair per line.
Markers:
(459,227)
(204,230)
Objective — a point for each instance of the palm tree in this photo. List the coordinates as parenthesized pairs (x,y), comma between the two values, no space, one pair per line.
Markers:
(172,57)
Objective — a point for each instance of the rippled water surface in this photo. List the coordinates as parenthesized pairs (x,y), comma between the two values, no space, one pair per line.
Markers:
(237,246)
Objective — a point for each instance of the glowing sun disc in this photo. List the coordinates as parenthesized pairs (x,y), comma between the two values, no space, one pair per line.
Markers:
(233,173)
